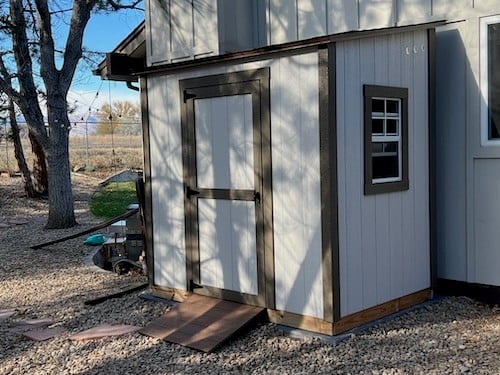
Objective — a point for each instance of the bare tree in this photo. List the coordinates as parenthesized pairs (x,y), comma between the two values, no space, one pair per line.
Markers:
(122,117)
(27,26)
(36,183)
(29,187)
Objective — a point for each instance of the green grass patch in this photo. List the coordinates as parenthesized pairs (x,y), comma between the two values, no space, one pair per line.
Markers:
(113,199)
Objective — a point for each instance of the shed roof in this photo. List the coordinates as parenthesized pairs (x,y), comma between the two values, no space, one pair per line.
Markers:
(127,61)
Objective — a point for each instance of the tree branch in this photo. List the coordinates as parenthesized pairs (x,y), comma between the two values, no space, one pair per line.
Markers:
(27,98)
(48,68)
(73,52)
(117,6)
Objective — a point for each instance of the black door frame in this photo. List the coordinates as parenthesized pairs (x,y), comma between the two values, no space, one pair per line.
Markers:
(256,83)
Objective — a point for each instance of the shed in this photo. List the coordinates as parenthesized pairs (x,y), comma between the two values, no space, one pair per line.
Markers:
(468,151)
(288,173)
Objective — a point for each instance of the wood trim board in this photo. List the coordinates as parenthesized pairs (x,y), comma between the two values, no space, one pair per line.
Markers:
(351,321)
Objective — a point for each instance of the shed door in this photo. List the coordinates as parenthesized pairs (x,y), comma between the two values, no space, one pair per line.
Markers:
(223,157)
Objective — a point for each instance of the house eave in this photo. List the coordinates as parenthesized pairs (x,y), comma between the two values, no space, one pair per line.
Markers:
(312,43)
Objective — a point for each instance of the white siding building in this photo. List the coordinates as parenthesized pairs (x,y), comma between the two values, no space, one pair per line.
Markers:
(332,161)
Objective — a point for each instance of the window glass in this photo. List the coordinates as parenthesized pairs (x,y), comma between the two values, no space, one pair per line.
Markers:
(393,107)
(378,126)
(386,139)
(378,106)
(494,81)
(392,127)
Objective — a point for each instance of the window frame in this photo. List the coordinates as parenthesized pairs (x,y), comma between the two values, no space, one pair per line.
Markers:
(484,79)
(390,184)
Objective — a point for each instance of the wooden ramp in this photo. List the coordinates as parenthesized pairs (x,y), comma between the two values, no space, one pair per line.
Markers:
(201,323)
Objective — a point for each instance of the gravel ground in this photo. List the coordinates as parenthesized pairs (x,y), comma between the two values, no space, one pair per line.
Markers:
(449,336)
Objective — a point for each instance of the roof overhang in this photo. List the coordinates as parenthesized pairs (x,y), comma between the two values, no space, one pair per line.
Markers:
(313,43)
(127,59)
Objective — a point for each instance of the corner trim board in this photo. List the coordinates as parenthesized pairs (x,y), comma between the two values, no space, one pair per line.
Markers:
(148,197)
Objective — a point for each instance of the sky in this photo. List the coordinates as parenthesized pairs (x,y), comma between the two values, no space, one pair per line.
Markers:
(103,34)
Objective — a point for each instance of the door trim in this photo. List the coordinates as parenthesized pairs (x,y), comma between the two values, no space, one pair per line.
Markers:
(256,83)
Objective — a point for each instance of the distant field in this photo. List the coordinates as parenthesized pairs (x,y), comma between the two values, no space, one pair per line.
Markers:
(95,153)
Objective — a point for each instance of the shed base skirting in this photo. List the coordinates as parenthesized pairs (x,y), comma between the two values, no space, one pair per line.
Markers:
(489,294)
(350,321)
(317,325)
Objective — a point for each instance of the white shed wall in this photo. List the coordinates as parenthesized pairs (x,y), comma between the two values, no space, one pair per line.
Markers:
(296,180)
(467,171)
(180,29)
(166,183)
(296,185)
(384,238)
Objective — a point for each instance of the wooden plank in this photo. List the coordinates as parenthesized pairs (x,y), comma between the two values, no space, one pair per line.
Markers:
(87,231)
(307,323)
(173,294)
(414,298)
(379,311)
(365,316)
(202,323)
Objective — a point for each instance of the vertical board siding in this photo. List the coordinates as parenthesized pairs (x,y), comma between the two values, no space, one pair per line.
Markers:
(311,18)
(296,185)
(384,238)
(282,21)
(466,171)
(395,220)
(180,29)
(445,7)
(342,16)
(224,143)
(409,10)
(376,14)
(288,21)
(228,255)
(370,218)
(167,184)
(487,221)
(157,38)
(420,155)
(205,34)
(451,70)
(296,181)
(351,156)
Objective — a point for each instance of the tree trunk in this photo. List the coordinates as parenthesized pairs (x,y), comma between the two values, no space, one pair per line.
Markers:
(61,207)
(19,154)
(39,167)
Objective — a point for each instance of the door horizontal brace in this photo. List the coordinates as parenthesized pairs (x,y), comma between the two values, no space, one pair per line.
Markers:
(228,194)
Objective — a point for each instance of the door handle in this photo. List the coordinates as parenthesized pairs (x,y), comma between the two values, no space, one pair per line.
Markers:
(190,192)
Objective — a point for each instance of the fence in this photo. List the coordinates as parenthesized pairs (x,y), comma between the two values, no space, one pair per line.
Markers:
(99,153)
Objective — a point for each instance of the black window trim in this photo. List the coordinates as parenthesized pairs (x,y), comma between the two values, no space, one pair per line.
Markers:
(374,91)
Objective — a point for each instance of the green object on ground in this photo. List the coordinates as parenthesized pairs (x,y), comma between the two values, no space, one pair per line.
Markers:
(113,199)
(95,239)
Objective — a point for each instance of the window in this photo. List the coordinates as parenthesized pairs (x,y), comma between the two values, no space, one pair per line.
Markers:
(490,80)
(386,139)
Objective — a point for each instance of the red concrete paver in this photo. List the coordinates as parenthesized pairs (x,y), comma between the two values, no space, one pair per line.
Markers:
(104,330)
(43,334)
(31,324)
